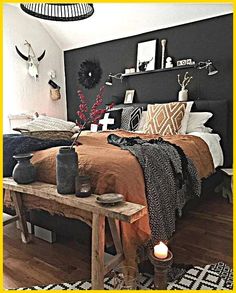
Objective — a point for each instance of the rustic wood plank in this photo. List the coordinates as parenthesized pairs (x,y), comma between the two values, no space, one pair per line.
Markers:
(10,220)
(113,263)
(30,202)
(16,197)
(6,193)
(115,235)
(125,211)
(98,243)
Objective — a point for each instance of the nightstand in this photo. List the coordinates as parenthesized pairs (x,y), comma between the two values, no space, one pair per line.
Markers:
(228,184)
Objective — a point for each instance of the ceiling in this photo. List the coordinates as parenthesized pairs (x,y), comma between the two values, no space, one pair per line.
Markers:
(116,20)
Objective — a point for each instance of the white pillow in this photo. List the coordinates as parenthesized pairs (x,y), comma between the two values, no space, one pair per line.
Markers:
(75,129)
(42,123)
(207,129)
(197,120)
(184,122)
(142,122)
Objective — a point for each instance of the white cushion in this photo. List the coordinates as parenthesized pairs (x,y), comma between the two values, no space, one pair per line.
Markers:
(142,122)
(197,120)
(42,123)
(207,129)
(184,122)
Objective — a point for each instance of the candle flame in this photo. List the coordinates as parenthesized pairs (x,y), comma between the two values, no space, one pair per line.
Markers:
(161,244)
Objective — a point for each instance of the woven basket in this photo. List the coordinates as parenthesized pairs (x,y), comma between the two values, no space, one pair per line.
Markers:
(47,134)
(55,94)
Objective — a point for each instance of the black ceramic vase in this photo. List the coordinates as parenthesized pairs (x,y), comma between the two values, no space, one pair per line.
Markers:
(24,172)
(66,170)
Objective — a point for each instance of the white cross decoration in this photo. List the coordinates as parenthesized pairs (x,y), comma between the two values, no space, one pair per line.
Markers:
(106,121)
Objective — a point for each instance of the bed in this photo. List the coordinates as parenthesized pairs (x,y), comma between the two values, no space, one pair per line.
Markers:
(115,170)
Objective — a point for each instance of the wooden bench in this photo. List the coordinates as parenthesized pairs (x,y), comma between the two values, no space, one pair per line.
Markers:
(125,211)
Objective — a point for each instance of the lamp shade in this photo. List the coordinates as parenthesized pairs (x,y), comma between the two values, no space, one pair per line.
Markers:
(59,12)
(208,65)
(109,80)
(116,76)
(211,69)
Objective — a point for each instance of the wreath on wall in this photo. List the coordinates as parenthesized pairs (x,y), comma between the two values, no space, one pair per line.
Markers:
(90,73)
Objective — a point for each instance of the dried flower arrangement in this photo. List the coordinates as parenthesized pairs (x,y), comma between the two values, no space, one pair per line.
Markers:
(93,116)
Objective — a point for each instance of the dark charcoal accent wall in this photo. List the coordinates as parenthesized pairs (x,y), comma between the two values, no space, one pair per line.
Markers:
(202,40)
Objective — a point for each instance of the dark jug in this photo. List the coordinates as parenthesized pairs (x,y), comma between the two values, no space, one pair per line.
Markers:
(66,170)
(24,172)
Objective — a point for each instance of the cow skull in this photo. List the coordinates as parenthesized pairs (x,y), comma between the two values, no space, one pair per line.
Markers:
(32,60)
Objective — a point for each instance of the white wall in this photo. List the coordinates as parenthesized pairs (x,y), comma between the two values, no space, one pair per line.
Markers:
(21,93)
(117,20)
(110,21)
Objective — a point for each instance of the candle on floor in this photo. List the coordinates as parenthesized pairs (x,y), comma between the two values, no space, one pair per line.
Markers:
(161,250)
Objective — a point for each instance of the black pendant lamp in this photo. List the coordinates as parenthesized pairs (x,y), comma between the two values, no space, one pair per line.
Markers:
(59,12)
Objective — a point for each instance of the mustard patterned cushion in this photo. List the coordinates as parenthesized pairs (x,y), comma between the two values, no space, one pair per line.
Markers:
(165,119)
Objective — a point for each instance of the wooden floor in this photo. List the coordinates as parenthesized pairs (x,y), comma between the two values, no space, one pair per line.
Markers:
(204,235)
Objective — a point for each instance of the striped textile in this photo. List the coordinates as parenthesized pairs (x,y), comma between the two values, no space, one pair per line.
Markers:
(43,123)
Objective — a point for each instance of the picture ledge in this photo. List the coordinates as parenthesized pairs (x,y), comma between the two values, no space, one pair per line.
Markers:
(157,70)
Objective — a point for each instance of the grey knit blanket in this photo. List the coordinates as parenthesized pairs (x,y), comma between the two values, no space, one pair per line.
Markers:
(170,180)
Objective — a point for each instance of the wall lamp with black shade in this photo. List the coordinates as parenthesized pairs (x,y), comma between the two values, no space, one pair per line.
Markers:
(207,65)
(116,76)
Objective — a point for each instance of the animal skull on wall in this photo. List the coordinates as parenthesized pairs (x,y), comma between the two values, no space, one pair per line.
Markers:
(32,60)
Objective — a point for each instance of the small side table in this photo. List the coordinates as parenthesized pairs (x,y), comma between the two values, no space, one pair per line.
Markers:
(228,184)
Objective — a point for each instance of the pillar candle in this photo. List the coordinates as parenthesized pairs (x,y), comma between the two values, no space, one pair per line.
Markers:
(161,250)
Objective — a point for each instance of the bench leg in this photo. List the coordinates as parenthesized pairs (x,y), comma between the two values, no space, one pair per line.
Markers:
(130,272)
(114,227)
(16,197)
(98,242)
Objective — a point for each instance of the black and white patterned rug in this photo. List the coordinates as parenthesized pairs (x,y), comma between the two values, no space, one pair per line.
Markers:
(217,276)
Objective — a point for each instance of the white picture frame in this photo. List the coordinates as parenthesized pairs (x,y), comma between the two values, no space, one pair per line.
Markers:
(146,54)
(129,96)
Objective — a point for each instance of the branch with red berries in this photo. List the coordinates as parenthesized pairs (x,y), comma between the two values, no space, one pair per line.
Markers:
(86,117)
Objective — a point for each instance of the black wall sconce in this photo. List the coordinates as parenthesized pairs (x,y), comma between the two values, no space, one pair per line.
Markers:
(116,76)
(207,65)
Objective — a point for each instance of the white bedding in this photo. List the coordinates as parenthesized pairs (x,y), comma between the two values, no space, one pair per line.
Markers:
(213,142)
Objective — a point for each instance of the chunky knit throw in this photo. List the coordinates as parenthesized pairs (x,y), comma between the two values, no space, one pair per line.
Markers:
(170,180)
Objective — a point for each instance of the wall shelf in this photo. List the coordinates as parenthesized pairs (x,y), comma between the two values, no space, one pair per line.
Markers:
(157,70)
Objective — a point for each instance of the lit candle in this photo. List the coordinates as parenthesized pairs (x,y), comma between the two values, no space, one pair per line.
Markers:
(161,250)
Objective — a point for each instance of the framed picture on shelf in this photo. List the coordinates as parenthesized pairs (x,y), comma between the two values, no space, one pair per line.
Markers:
(129,96)
(146,54)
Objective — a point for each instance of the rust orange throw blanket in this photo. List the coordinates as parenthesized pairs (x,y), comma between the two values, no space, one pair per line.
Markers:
(116,170)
